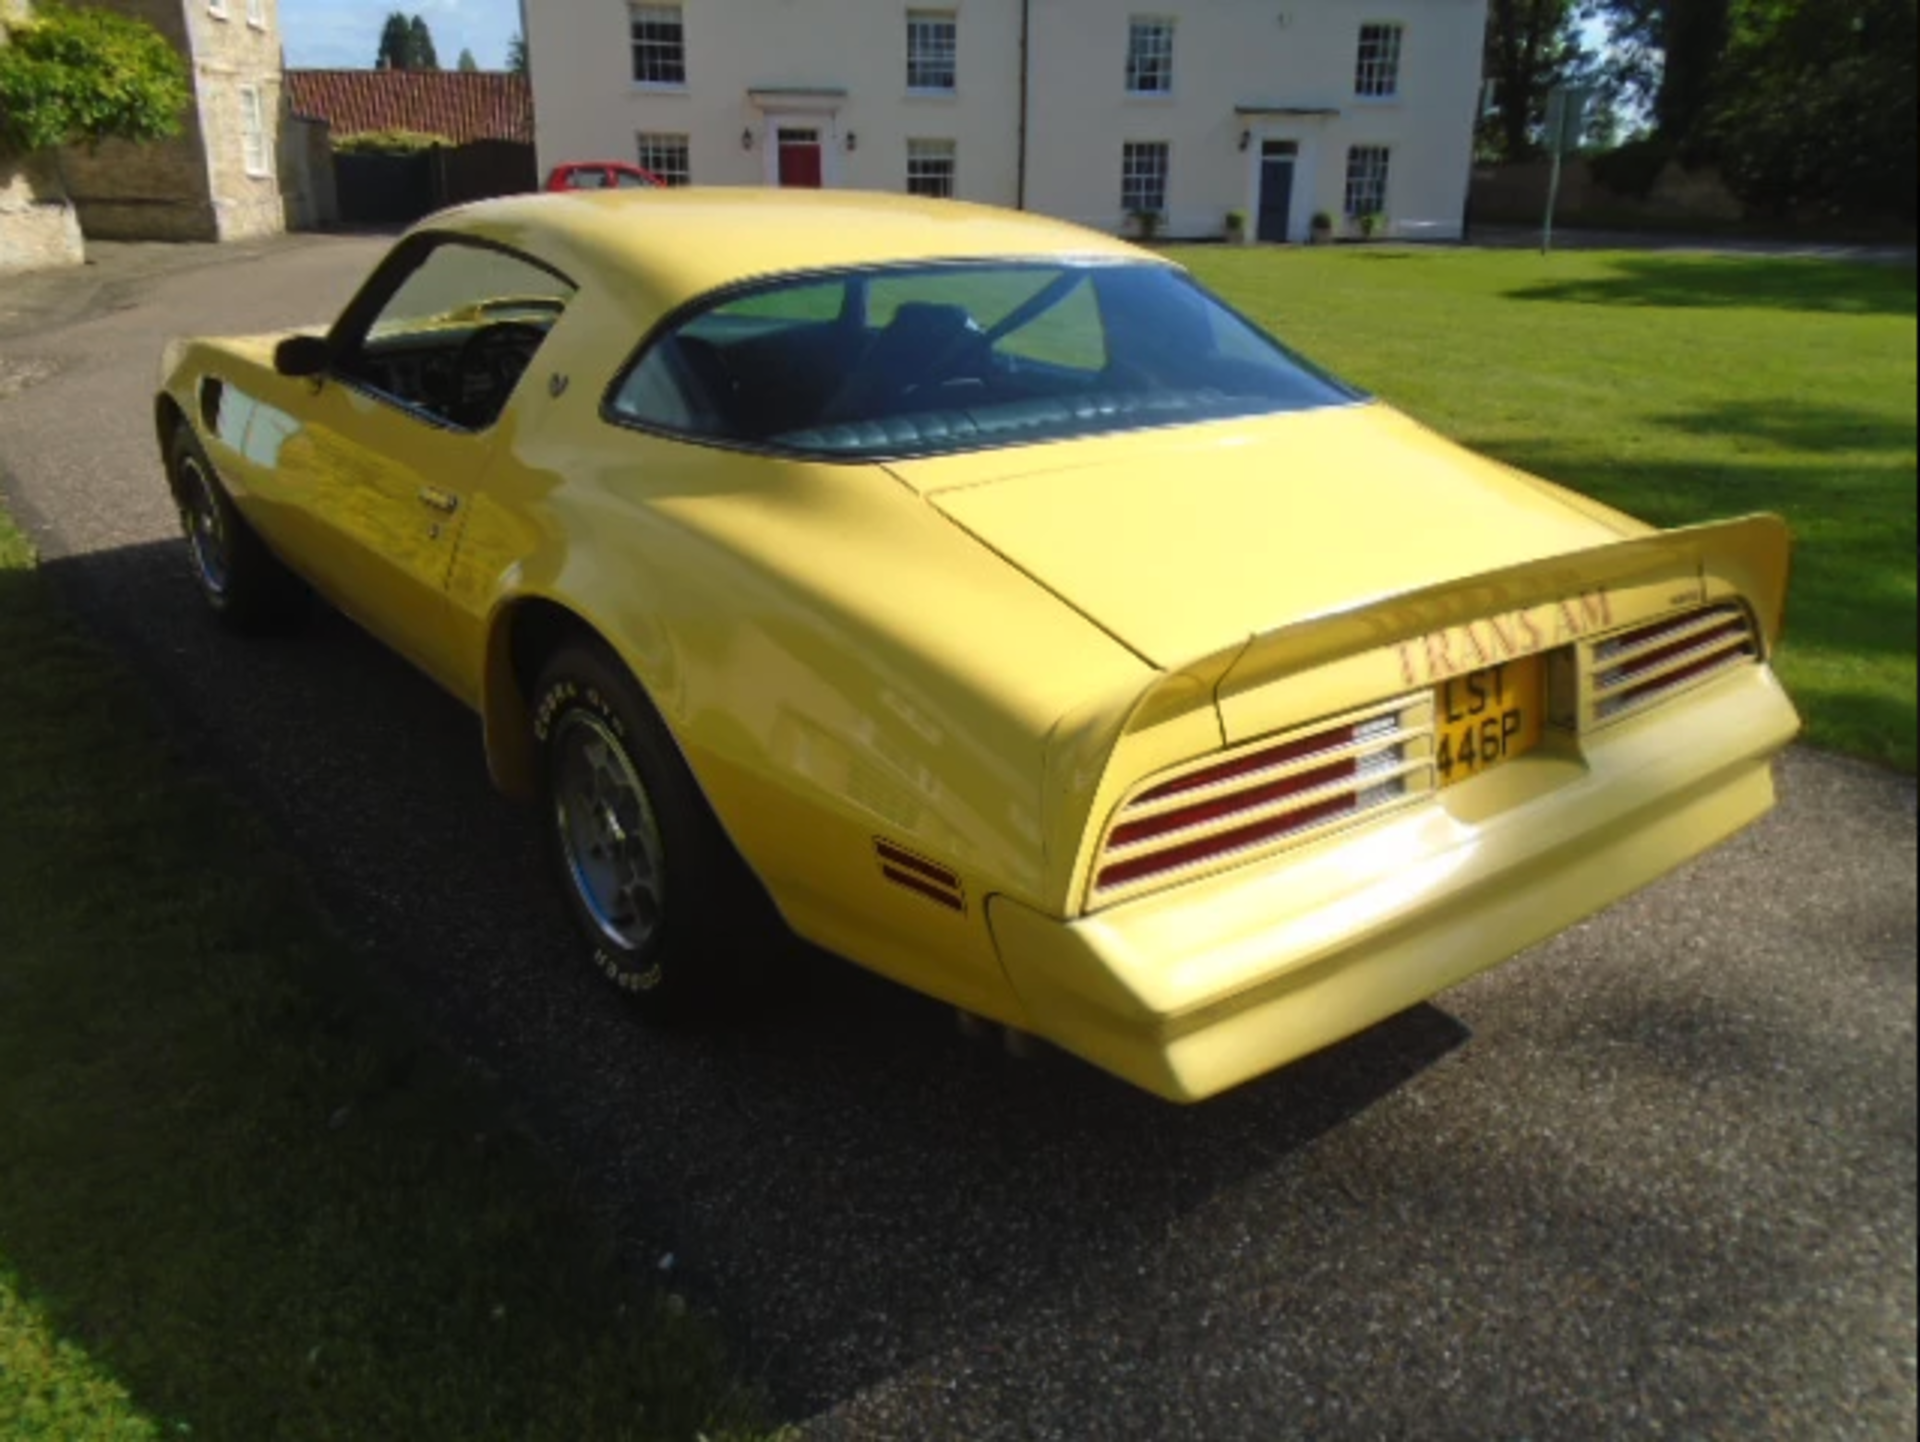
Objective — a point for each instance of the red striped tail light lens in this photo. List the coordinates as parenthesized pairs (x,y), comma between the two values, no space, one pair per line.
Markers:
(1273,794)
(1638,668)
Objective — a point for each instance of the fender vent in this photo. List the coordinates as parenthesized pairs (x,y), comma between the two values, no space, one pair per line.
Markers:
(929,879)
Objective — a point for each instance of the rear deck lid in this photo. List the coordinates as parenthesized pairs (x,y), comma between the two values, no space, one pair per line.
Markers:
(1178,541)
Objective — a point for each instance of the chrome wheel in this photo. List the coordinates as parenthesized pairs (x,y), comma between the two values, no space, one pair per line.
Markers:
(205,525)
(609,836)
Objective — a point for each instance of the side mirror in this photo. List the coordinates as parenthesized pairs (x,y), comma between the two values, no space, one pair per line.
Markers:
(303,356)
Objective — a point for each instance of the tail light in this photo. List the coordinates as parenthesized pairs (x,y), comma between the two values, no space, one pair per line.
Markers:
(1631,671)
(1226,810)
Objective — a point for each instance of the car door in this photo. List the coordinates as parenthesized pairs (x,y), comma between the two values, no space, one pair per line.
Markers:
(402,431)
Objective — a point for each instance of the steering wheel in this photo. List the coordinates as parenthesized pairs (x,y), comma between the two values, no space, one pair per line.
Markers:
(488,366)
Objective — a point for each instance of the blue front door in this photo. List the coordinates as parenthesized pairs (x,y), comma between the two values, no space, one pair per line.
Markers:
(1277,159)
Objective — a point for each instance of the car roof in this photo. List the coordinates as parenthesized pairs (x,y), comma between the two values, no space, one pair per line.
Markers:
(683,242)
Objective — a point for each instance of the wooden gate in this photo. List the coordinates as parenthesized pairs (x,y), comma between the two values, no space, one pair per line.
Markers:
(398,189)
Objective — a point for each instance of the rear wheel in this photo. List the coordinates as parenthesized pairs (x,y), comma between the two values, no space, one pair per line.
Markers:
(242,582)
(666,908)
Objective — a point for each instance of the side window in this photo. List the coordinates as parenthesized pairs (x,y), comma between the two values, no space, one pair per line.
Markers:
(457,331)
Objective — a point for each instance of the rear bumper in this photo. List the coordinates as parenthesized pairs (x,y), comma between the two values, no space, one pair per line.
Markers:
(1196,990)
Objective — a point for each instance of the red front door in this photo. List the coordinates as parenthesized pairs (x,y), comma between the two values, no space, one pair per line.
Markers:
(800,164)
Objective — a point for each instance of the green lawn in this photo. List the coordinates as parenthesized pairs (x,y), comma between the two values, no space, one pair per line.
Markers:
(239,1196)
(1676,388)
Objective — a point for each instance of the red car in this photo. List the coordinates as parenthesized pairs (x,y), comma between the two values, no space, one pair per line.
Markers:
(601,175)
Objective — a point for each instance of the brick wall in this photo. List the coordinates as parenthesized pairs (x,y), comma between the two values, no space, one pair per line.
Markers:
(38,227)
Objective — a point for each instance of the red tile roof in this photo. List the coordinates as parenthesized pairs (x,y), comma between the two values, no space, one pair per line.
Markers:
(461,105)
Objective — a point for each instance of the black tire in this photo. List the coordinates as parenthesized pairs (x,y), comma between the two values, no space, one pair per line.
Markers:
(687,932)
(242,582)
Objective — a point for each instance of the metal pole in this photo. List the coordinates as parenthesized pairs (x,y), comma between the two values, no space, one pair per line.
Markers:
(1553,200)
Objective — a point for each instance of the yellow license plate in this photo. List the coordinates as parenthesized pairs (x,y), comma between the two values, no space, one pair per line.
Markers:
(1487,718)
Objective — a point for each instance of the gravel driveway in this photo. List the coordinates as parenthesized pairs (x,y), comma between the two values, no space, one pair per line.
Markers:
(1656,1177)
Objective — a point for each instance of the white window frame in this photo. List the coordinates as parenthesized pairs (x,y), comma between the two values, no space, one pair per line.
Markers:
(1150,47)
(1369,176)
(939,30)
(257,14)
(1376,67)
(1145,166)
(935,166)
(651,144)
(661,52)
(218,9)
(256,154)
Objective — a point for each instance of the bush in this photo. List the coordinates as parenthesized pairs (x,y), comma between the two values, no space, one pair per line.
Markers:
(78,77)
(1631,169)
(388,142)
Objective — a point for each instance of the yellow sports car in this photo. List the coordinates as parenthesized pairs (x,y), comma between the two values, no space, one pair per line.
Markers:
(991,604)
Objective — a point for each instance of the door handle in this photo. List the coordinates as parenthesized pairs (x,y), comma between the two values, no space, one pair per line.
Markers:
(444,502)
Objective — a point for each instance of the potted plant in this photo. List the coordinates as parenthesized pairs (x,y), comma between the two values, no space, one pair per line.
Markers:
(1146,223)
(1237,227)
(1373,225)
(1321,230)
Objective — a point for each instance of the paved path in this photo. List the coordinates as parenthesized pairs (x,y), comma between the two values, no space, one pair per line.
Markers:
(1658,1177)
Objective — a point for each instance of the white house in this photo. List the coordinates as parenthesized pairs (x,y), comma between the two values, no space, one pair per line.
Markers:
(1094,110)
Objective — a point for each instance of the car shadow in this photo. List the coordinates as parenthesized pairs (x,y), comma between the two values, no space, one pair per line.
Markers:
(844,1179)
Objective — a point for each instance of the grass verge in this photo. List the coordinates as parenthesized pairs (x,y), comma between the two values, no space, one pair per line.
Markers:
(239,1197)
(1677,388)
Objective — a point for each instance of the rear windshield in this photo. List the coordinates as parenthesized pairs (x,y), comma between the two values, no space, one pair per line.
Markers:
(945,358)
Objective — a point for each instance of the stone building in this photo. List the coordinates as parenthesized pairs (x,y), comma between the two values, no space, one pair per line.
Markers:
(217,179)
(38,227)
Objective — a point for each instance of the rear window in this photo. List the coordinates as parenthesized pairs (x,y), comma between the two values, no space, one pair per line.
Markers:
(944,358)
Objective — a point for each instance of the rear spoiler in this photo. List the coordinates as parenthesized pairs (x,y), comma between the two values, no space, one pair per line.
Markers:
(1394,644)
(1602,589)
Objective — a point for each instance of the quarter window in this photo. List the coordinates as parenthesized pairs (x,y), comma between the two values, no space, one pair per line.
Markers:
(659,45)
(930,168)
(1143,177)
(1150,57)
(1367,170)
(1377,75)
(933,50)
(667,156)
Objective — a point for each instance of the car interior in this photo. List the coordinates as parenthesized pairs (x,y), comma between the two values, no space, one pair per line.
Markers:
(455,328)
(460,369)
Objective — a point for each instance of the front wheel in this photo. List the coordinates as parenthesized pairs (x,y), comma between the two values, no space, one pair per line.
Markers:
(666,908)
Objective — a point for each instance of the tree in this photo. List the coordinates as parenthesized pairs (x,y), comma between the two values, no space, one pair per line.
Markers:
(1531,46)
(1668,54)
(406,44)
(517,59)
(1815,110)
(78,77)
(467,64)
(422,55)
(396,44)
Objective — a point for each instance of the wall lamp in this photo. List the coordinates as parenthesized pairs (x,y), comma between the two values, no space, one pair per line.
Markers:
(853,142)
(746,139)
(1246,139)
